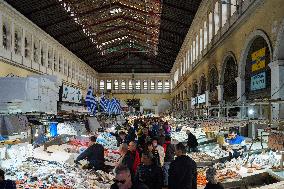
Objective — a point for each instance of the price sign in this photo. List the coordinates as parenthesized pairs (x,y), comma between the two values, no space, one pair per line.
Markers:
(258,81)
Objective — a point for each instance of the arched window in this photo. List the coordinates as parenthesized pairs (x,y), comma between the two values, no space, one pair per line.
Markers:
(230,83)
(210,24)
(233,7)
(36,52)
(49,56)
(5,36)
(102,85)
(137,85)
(123,84)
(194,52)
(59,64)
(42,56)
(130,85)
(205,38)
(197,47)
(201,40)
(145,85)
(224,14)
(167,85)
(257,72)
(152,85)
(27,48)
(216,17)
(108,84)
(160,85)
(17,42)
(115,83)
(55,62)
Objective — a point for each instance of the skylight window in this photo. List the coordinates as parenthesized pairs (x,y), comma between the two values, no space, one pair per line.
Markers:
(115,11)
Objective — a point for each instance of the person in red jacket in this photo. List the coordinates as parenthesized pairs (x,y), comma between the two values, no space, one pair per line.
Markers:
(134,153)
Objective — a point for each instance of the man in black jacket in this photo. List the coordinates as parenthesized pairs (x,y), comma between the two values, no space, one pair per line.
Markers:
(94,154)
(6,184)
(149,173)
(191,142)
(183,170)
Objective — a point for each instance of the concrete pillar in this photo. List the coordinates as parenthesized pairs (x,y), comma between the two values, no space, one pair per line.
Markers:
(149,85)
(241,89)
(156,84)
(220,89)
(105,84)
(163,85)
(277,88)
(126,84)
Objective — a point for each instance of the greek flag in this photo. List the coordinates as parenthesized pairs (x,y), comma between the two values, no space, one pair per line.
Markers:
(114,107)
(104,102)
(91,101)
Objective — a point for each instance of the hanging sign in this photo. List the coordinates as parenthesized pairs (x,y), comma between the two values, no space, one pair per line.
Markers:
(201,99)
(71,94)
(193,101)
(258,59)
(258,81)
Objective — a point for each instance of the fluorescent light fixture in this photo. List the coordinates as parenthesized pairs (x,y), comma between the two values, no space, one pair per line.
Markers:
(251,111)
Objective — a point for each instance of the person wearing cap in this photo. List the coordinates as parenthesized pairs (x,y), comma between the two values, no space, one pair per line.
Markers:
(211,177)
(94,154)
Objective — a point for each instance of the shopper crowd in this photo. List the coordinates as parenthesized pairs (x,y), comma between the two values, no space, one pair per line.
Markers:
(149,160)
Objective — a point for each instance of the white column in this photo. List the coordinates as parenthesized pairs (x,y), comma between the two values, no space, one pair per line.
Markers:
(220,89)
(240,89)
(126,84)
(277,87)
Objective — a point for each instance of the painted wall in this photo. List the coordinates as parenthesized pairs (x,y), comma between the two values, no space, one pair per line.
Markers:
(6,69)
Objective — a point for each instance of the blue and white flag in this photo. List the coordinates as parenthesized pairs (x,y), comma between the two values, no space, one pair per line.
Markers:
(104,102)
(114,107)
(91,101)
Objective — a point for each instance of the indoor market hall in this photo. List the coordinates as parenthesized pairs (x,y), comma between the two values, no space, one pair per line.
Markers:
(141,94)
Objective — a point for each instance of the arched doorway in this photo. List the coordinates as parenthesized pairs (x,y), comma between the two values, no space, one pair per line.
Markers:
(257,71)
(229,81)
(213,83)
